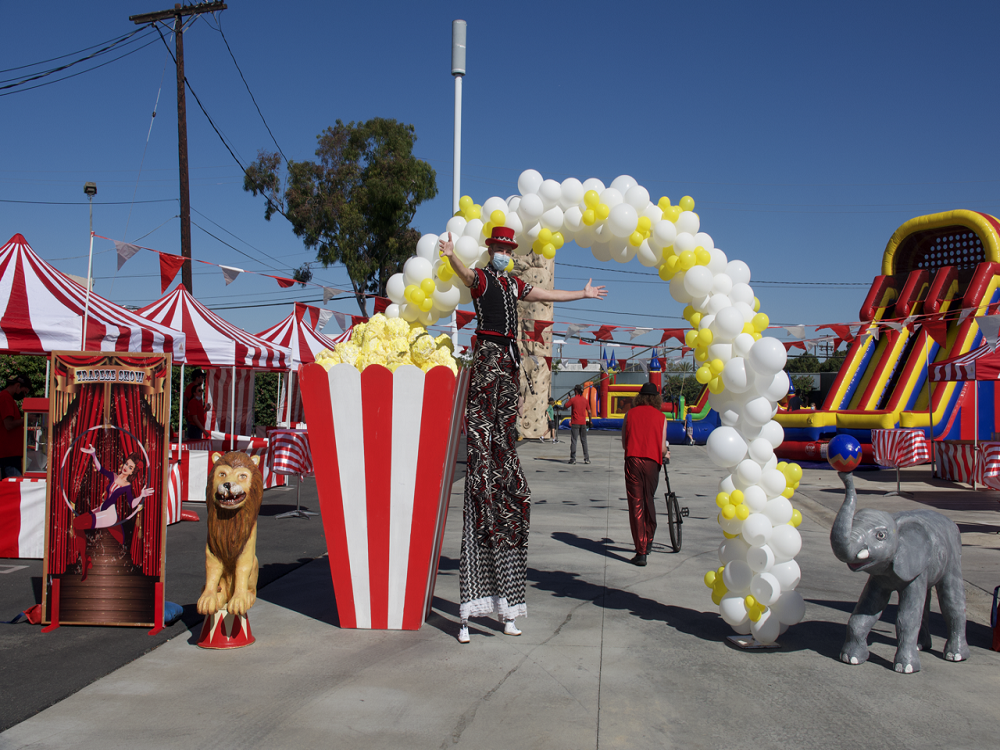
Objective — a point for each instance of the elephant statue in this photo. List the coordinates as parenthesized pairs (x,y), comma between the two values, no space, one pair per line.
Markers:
(906,552)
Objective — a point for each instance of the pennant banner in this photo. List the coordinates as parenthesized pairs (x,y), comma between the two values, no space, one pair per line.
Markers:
(462,318)
(341,320)
(672,333)
(169,266)
(230,273)
(584,363)
(604,333)
(637,332)
(324,318)
(989,325)
(125,251)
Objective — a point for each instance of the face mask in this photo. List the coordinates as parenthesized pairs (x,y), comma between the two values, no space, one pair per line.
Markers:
(500,261)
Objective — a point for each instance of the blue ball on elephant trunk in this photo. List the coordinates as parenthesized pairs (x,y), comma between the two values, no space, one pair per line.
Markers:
(844,453)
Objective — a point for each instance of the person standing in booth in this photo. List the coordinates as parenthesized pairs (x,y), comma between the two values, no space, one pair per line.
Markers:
(195,410)
(579,421)
(12,435)
(644,438)
(493,569)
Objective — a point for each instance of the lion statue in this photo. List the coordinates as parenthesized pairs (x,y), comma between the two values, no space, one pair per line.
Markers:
(233,497)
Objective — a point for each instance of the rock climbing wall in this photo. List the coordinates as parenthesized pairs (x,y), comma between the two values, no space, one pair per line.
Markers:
(535,270)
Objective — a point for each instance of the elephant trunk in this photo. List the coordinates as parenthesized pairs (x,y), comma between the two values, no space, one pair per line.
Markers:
(840,534)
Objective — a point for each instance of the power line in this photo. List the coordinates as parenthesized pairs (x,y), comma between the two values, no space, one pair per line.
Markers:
(69,54)
(84,203)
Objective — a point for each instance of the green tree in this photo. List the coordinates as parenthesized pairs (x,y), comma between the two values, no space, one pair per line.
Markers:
(354,204)
(30,365)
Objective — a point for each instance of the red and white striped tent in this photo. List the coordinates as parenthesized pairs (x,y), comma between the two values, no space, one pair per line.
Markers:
(979,364)
(298,332)
(229,355)
(42,311)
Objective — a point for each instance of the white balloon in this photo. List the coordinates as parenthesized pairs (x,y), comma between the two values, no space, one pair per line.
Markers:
(530,209)
(529,182)
(552,219)
(601,251)
(790,607)
(719,262)
(698,281)
(622,220)
(787,573)
(748,430)
(773,387)
(725,447)
(688,222)
(745,310)
(773,482)
(409,312)
(734,374)
(733,610)
(584,238)
(677,290)
(757,411)
(741,293)
(739,271)
(474,229)
(717,303)
(622,251)
(755,498)
(733,549)
(760,450)
(771,463)
(492,204)
(550,192)
(467,249)
(573,219)
(726,484)
(622,183)
(729,323)
(592,183)
(611,197)
(760,559)
(765,588)
(663,234)
(513,221)
(638,197)
(774,433)
(705,241)
(767,629)
(683,242)
(466,293)
(737,576)
(731,526)
(720,351)
(429,318)
(416,269)
(571,193)
(729,417)
(756,530)
(701,305)
(391,311)
(748,471)
(456,225)
(532,232)
(395,288)
(722,285)
(427,247)
(786,542)
(779,510)
(742,345)
(649,256)
(768,356)
(447,299)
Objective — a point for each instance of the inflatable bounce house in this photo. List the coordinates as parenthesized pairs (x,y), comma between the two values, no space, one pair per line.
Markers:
(942,269)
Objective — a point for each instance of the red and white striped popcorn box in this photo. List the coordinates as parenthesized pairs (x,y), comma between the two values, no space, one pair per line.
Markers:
(384,447)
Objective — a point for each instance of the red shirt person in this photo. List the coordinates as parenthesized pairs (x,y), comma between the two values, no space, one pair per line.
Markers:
(579,417)
(12,432)
(644,438)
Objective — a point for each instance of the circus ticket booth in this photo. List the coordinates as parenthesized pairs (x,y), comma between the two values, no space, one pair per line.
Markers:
(22,499)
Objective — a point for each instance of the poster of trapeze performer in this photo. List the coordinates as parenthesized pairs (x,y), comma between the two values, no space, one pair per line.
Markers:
(105,532)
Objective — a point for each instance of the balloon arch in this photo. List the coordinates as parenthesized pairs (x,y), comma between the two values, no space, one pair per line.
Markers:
(744,370)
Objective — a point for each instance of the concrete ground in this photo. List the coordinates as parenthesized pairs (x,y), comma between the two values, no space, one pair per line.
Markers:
(611,656)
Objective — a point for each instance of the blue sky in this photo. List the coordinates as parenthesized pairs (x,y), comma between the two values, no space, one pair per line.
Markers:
(806,132)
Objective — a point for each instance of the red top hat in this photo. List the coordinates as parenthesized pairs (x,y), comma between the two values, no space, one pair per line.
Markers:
(502,236)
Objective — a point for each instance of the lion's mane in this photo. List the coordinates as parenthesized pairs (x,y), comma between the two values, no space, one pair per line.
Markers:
(229,530)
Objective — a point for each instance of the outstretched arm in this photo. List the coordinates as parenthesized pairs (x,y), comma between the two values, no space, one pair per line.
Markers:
(447,248)
(537,294)
(92,452)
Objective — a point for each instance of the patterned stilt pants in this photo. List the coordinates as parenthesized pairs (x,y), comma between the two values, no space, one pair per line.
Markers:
(494,559)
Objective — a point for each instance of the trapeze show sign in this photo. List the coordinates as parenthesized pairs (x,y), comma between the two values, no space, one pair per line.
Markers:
(105,534)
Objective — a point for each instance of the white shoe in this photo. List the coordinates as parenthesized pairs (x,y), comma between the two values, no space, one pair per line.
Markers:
(509,628)
(463,634)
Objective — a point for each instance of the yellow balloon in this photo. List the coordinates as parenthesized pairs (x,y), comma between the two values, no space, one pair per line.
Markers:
(591,199)
(756,336)
(408,291)
(498,218)
(417,296)
(702,256)
(589,217)
(603,211)
(796,517)
(710,578)
(781,466)
(545,236)
(672,213)
(696,319)
(427,304)
(635,239)
(760,322)
(705,336)
(729,511)
(742,512)
(558,240)
(688,312)
(686,203)
(736,497)
(703,375)
(748,328)
(465,203)
(717,366)
(716,596)
(715,385)
(549,251)
(691,338)
(728,535)
(722,500)
(700,353)
(663,203)
(445,273)
(488,229)
(756,305)
(644,224)
(673,263)
(788,492)
(427,286)
(749,602)
(687,260)
(794,472)
(754,614)
(665,273)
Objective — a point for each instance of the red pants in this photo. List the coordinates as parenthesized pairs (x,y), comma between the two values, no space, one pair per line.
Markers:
(641,477)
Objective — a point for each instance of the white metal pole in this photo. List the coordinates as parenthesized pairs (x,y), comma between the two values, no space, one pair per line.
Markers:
(48,361)
(90,269)
(180,410)
(458,31)
(232,410)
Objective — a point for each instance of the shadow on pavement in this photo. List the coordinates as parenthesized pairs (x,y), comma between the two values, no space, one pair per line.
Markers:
(598,547)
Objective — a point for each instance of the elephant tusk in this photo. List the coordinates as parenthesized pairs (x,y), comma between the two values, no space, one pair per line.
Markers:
(863,554)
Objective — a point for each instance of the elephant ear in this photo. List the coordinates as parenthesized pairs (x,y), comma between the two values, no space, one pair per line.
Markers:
(914,550)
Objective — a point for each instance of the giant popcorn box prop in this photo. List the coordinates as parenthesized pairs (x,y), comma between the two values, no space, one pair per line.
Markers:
(384,446)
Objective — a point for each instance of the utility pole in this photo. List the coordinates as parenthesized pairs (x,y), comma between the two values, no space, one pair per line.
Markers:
(177,13)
